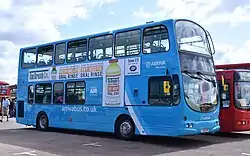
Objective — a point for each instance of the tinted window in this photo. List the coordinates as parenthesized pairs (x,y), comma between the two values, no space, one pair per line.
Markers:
(31,94)
(100,47)
(29,58)
(155,39)
(75,93)
(45,56)
(127,43)
(60,53)
(77,51)
(43,93)
(58,93)
(157,93)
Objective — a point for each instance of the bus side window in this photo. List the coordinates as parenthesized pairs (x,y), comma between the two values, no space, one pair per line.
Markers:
(155,39)
(45,55)
(224,95)
(100,47)
(29,58)
(31,94)
(75,92)
(58,93)
(43,93)
(60,53)
(160,90)
(77,51)
(128,43)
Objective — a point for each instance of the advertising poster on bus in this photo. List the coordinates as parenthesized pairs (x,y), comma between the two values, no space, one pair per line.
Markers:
(113,83)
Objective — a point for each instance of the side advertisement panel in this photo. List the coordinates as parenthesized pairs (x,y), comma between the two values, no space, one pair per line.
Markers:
(113,73)
(113,83)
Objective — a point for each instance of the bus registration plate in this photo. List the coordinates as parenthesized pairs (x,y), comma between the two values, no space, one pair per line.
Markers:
(204,130)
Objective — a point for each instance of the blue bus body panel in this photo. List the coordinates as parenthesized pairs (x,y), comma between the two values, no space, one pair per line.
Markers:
(149,119)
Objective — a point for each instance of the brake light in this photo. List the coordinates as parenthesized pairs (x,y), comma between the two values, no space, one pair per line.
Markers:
(243,122)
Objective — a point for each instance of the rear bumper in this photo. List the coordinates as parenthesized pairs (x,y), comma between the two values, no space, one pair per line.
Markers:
(200,127)
(245,127)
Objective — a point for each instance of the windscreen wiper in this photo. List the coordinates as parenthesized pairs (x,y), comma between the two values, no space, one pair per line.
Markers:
(206,78)
(191,75)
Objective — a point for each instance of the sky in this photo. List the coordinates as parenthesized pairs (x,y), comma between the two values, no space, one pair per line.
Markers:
(30,22)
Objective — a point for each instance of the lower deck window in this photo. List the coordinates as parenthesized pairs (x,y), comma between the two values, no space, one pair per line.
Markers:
(43,93)
(160,91)
(31,94)
(75,93)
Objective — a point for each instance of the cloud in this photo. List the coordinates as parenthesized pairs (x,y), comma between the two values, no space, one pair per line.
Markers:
(240,15)
(5,5)
(196,9)
(226,53)
(143,14)
(28,22)
(206,12)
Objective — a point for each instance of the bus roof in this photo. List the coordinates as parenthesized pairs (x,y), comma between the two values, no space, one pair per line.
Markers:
(148,24)
(3,83)
(233,66)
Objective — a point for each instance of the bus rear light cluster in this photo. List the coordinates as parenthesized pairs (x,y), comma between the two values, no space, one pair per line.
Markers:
(189,125)
(242,122)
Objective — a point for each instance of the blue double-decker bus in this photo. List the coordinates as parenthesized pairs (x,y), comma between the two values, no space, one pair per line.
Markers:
(152,79)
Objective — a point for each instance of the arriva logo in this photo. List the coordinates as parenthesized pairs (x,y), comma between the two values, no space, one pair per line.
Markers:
(156,64)
(205,118)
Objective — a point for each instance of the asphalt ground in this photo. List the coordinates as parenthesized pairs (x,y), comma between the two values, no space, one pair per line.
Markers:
(20,140)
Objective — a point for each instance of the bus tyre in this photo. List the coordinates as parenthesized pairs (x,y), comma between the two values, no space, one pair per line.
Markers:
(125,128)
(42,122)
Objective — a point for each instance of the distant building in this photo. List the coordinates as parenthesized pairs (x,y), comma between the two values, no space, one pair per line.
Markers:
(13,89)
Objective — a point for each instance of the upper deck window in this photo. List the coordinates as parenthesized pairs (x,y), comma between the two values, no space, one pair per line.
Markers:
(128,43)
(60,53)
(191,37)
(100,47)
(77,51)
(45,55)
(155,39)
(29,58)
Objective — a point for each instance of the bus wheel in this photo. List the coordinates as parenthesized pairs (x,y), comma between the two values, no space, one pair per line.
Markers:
(125,128)
(42,122)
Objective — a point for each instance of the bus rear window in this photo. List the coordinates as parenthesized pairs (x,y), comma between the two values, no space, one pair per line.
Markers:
(155,39)
(128,43)
(77,51)
(45,56)
(29,58)
(100,47)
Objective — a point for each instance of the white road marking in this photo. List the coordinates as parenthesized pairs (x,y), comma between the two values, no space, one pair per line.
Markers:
(30,153)
(245,154)
(96,144)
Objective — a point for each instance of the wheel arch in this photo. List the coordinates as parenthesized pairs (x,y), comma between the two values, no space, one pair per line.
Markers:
(39,114)
(122,116)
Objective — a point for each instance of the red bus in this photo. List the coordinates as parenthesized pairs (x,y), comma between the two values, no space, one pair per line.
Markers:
(234,88)
(4,91)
